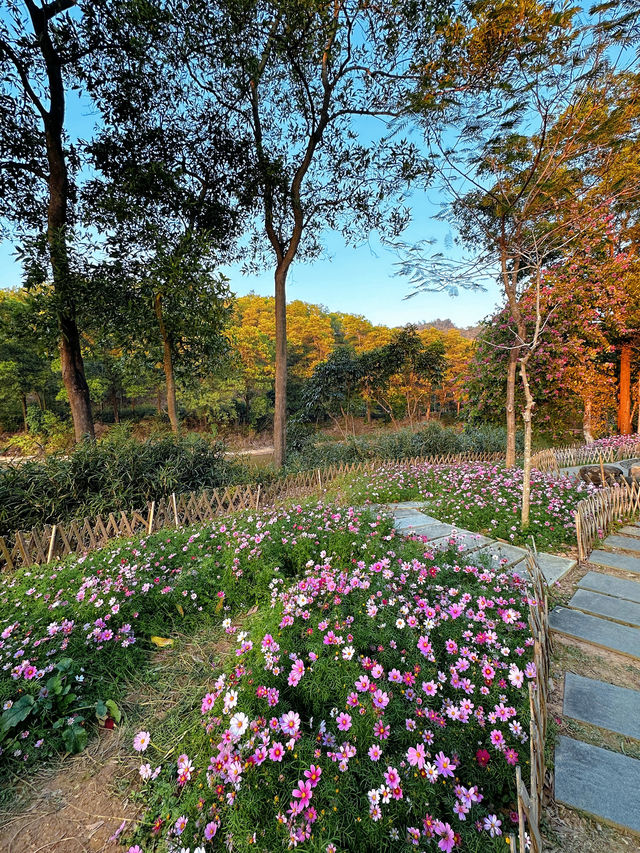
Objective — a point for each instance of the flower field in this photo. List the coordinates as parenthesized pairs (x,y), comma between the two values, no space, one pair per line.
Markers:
(373,696)
(378,704)
(481,497)
(72,633)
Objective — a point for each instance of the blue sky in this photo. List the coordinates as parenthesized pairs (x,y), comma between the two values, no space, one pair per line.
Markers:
(360,281)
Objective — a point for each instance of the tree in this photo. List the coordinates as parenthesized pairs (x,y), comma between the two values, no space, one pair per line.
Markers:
(24,366)
(293,77)
(538,131)
(39,47)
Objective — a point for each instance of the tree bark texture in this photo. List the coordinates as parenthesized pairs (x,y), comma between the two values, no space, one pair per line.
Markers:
(527,418)
(72,365)
(624,391)
(587,421)
(510,460)
(280,413)
(167,364)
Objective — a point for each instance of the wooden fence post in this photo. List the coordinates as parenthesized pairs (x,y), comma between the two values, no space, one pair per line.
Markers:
(175,508)
(152,511)
(258,496)
(52,541)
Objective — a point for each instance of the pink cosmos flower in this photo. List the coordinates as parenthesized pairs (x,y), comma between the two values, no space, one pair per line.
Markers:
(375,752)
(380,699)
(497,738)
(344,722)
(444,764)
(447,836)
(416,756)
(276,752)
(391,777)
(362,684)
(313,774)
(303,792)
(208,702)
(210,830)
(290,722)
(180,825)
(141,741)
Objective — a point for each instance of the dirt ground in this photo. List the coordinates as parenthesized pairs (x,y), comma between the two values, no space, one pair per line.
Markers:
(77,808)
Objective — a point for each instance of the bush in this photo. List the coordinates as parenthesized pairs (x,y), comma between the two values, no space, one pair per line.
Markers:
(116,473)
(432,440)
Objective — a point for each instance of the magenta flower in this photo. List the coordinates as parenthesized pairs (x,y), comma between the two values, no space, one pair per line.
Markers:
(344,722)
(444,765)
(416,756)
(210,830)
(303,792)
(276,752)
(380,699)
(447,836)
(313,774)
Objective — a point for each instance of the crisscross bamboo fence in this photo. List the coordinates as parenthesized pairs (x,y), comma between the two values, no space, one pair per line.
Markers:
(552,460)
(52,541)
(530,801)
(595,515)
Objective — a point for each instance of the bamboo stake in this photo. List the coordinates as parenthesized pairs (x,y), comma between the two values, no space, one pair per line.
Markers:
(175,508)
(151,517)
(258,496)
(54,530)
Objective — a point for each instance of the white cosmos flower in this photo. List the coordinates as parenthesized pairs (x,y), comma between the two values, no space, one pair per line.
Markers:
(238,724)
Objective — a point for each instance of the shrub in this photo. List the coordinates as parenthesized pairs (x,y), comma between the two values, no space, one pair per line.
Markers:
(116,473)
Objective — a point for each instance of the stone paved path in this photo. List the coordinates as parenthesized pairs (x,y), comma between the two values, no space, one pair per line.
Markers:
(604,612)
(410,519)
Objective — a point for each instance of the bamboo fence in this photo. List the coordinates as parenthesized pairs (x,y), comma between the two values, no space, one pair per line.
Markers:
(530,801)
(553,460)
(595,515)
(53,541)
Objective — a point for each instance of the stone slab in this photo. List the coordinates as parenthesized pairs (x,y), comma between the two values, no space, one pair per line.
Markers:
(512,554)
(628,543)
(616,709)
(471,539)
(624,562)
(630,530)
(431,531)
(408,521)
(554,567)
(593,629)
(610,585)
(407,505)
(597,781)
(607,606)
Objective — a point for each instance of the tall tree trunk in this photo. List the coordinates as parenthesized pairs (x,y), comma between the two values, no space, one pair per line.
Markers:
(587,421)
(526,417)
(23,402)
(511,409)
(280,413)
(71,363)
(167,363)
(624,391)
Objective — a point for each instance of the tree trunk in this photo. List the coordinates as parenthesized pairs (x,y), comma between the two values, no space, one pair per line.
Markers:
(23,402)
(167,363)
(624,393)
(368,412)
(526,417)
(587,421)
(71,363)
(280,413)
(510,460)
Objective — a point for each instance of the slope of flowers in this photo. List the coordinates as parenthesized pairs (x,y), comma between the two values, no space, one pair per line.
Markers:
(71,633)
(380,703)
(481,497)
